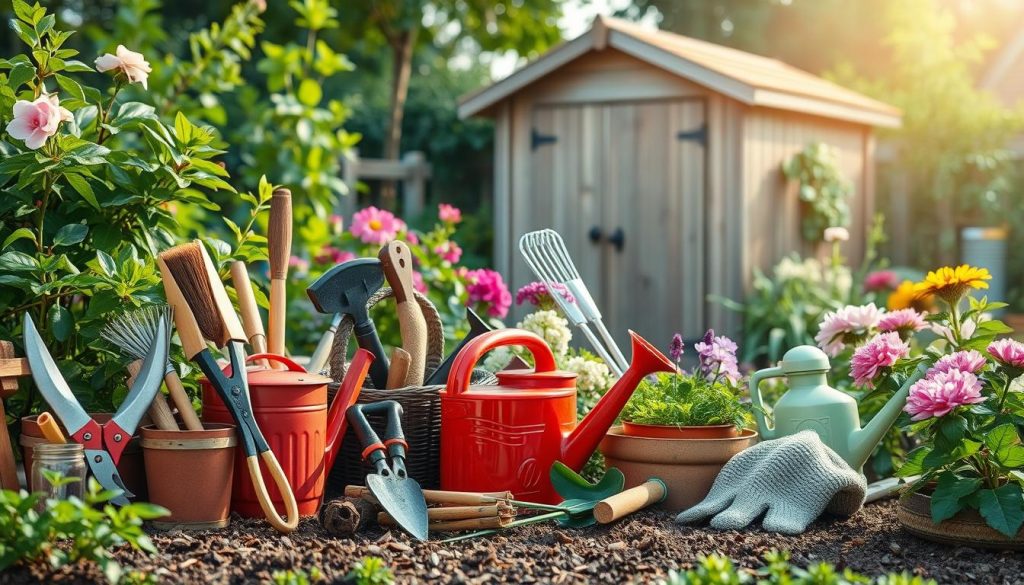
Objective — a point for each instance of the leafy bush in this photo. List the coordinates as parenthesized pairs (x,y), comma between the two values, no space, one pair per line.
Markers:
(824,192)
(297,577)
(718,570)
(32,530)
(686,401)
(371,571)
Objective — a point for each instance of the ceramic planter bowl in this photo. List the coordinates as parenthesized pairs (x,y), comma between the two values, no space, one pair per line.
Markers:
(687,466)
(966,528)
(191,474)
(674,432)
(131,467)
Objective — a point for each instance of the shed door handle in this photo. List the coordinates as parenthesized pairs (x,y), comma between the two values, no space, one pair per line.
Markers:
(618,239)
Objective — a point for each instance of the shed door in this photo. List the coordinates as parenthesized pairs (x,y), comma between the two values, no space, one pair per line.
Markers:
(635,170)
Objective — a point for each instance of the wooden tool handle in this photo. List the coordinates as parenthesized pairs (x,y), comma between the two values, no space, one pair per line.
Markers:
(396,261)
(159,411)
(414,341)
(48,426)
(252,323)
(629,501)
(400,361)
(8,386)
(278,308)
(441,497)
(182,402)
(291,508)
(279,233)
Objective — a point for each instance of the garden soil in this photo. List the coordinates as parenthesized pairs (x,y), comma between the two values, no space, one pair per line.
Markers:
(639,549)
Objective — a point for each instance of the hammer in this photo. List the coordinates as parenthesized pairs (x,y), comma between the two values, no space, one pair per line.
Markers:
(344,290)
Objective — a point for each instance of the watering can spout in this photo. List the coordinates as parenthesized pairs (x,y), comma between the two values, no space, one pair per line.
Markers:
(580,444)
(862,442)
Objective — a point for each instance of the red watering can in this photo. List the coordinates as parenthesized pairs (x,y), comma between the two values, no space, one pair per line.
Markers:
(506,437)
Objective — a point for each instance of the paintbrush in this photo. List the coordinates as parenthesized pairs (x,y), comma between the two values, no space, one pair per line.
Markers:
(279,244)
(203,311)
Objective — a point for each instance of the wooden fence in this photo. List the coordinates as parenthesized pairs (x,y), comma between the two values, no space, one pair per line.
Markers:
(412,171)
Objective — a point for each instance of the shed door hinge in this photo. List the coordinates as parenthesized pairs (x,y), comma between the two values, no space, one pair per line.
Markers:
(537,139)
(700,135)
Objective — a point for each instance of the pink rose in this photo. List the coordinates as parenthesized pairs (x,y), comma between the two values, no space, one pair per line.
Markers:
(449,213)
(37,120)
(133,65)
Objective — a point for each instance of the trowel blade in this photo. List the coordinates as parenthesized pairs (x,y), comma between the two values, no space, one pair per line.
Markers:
(403,500)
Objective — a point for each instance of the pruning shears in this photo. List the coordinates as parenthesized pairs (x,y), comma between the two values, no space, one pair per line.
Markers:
(104,443)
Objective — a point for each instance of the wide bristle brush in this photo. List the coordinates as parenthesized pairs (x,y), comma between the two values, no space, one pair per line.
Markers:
(203,311)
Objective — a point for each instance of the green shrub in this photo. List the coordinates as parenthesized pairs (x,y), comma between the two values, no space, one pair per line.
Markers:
(371,571)
(718,570)
(687,401)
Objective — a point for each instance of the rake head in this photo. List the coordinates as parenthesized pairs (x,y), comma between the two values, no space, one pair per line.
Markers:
(134,333)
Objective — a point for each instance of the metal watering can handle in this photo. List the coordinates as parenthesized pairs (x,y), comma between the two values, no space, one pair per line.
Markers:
(273,357)
(755,397)
(462,369)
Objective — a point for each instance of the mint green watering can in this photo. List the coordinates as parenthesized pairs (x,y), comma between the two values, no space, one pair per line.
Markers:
(810,403)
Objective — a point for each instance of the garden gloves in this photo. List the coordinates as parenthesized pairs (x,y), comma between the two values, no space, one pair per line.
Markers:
(790,480)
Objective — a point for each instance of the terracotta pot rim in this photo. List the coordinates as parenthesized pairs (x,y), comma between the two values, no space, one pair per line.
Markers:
(966,528)
(207,427)
(743,435)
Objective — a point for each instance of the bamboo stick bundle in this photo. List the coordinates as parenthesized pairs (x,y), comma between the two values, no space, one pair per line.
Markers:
(490,522)
(441,497)
(447,514)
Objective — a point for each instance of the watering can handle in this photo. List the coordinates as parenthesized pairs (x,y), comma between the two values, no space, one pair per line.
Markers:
(462,369)
(755,398)
(273,357)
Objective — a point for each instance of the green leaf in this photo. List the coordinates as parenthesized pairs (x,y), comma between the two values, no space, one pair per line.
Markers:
(950,490)
(1003,508)
(71,86)
(183,128)
(71,234)
(20,74)
(18,234)
(1004,443)
(914,464)
(82,186)
(106,263)
(75,66)
(14,261)
(61,322)
(310,93)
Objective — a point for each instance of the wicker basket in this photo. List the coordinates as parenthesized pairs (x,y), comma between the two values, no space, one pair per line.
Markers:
(421,406)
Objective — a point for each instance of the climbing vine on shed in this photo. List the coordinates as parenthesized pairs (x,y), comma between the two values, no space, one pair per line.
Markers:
(824,192)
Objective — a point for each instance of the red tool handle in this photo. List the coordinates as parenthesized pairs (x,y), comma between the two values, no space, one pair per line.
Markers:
(462,369)
(347,395)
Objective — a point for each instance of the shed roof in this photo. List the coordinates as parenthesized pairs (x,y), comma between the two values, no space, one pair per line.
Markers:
(745,77)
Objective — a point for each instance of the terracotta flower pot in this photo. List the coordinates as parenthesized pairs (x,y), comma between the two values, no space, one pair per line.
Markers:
(687,466)
(674,432)
(966,528)
(131,468)
(191,473)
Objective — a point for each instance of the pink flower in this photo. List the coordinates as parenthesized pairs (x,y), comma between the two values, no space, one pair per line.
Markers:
(412,239)
(881,280)
(133,65)
(1008,352)
(300,265)
(848,325)
(332,255)
(375,226)
(883,351)
(836,234)
(537,294)
(337,224)
(902,321)
(449,213)
(417,282)
(971,362)
(487,286)
(37,120)
(449,252)
(938,395)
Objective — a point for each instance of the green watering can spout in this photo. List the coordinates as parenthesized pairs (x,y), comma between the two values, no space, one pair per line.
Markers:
(862,442)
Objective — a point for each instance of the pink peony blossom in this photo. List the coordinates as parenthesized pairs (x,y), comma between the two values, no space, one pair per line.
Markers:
(449,252)
(133,65)
(487,286)
(375,226)
(881,280)
(37,120)
(332,255)
(882,351)
(449,213)
(1008,352)
(938,395)
(417,282)
(846,326)
(970,361)
(902,321)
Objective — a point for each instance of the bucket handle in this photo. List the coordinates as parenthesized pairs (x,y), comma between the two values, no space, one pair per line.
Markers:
(462,369)
(273,357)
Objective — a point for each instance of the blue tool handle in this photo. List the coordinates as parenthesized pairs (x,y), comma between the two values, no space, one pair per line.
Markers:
(366,337)
(234,392)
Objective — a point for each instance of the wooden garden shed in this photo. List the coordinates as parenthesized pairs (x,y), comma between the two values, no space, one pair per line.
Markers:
(657,157)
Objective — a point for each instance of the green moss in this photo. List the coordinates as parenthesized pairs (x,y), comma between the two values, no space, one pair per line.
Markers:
(686,400)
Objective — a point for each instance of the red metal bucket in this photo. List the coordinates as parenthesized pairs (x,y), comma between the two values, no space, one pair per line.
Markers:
(290,407)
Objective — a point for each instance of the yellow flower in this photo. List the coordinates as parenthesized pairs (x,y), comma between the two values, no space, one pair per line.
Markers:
(950,284)
(902,297)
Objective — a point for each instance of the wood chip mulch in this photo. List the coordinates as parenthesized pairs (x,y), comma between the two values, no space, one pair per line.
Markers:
(640,549)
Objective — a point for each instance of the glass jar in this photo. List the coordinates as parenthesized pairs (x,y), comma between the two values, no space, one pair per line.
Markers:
(68,459)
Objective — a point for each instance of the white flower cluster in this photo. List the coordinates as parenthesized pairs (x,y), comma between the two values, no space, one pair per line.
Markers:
(551,327)
(812,271)
(593,377)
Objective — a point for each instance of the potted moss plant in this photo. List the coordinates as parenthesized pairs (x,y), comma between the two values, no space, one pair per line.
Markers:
(683,427)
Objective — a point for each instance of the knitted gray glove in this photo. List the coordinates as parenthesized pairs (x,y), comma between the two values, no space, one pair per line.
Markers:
(793,478)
